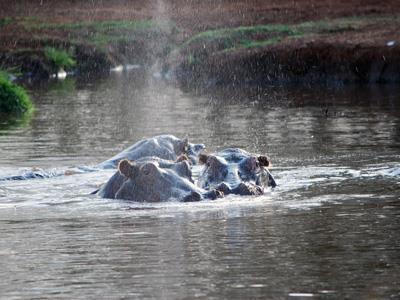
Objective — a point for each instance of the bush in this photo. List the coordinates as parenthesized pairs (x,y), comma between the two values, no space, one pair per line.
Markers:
(13,98)
(60,58)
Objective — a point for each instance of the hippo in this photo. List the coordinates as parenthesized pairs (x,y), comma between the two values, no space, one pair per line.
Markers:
(235,171)
(38,173)
(152,179)
(166,147)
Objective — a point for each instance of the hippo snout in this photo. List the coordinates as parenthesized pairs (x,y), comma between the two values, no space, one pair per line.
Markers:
(197,148)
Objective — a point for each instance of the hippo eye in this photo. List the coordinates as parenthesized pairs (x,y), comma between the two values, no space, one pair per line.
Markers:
(149,169)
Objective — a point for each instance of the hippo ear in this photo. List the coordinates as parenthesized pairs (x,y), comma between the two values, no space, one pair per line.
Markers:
(203,158)
(182,146)
(182,157)
(185,145)
(125,168)
(263,161)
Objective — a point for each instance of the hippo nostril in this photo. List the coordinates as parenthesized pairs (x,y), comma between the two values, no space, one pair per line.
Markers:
(192,197)
(203,159)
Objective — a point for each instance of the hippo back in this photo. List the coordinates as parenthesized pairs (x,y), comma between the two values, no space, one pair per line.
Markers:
(166,147)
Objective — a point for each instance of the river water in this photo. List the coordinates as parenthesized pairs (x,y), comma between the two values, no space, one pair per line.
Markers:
(330,230)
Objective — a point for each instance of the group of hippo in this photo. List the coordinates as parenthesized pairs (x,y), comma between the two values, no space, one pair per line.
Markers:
(160,169)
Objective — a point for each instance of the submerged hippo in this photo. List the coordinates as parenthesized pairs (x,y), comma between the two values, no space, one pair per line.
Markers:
(166,147)
(155,180)
(235,171)
(37,173)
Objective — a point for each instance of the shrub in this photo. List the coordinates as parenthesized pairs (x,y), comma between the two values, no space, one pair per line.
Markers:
(13,98)
(60,58)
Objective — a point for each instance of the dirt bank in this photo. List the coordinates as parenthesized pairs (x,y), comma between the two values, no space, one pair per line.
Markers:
(344,50)
(209,41)
(316,63)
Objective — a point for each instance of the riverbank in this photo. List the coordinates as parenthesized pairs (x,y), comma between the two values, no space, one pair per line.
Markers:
(344,50)
(208,43)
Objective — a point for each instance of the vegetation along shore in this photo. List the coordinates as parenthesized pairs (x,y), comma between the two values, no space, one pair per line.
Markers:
(243,41)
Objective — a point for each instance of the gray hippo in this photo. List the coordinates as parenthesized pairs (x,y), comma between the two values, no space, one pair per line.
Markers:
(235,171)
(166,147)
(153,179)
(37,173)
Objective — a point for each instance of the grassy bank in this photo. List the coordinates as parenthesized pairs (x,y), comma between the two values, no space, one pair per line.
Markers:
(288,51)
(247,37)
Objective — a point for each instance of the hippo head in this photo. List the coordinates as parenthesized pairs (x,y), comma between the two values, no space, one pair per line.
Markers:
(148,182)
(216,170)
(255,169)
(195,149)
(242,174)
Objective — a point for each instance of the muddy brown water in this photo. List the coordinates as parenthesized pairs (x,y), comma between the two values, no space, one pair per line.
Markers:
(330,230)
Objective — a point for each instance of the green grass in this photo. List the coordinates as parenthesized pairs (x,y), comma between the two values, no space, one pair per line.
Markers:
(342,24)
(252,44)
(102,33)
(94,26)
(239,35)
(331,26)
(16,71)
(5,21)
(231,39)
(13,98)
(60,58)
